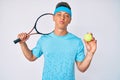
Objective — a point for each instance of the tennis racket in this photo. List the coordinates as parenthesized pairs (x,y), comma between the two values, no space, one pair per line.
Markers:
(43,25)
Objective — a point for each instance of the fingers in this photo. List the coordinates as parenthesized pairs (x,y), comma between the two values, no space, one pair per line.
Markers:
(91,45)
(23,37)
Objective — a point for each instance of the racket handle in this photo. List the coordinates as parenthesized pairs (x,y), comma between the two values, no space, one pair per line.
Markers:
(17,40)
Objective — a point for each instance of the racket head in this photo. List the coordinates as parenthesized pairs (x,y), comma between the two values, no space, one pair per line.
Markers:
(44,24)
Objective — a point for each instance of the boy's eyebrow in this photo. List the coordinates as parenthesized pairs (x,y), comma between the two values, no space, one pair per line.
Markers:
(63,11)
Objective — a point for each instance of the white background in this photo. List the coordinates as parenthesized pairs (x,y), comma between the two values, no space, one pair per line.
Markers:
(101,17)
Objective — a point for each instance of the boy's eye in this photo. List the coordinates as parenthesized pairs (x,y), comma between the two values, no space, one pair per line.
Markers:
(59,14)
(67,15)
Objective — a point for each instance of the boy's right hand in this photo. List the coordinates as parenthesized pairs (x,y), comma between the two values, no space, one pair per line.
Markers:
(23,37)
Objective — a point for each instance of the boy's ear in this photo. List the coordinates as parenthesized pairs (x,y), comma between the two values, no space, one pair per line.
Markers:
(70,20)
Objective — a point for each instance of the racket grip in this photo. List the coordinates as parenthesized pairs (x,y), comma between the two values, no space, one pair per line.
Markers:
(17,40)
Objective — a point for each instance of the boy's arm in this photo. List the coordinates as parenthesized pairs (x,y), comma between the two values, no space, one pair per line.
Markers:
(27,52)
(91,47)
(83,66)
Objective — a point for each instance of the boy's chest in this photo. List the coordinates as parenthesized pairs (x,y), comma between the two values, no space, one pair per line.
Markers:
(59,49)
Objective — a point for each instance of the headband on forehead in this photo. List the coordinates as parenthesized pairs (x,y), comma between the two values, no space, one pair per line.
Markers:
(64,9)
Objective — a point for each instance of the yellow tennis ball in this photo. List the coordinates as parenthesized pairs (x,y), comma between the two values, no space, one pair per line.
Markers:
(87,37)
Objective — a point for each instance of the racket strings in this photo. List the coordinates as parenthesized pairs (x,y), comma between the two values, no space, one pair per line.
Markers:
(45,24)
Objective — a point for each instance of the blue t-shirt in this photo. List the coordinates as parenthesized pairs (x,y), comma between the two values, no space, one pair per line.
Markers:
(60,54)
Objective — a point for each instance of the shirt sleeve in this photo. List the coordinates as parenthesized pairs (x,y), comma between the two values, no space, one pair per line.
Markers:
(37,50)
(80,55)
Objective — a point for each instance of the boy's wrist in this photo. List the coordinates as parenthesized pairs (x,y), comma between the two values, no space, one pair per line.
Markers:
(90,54)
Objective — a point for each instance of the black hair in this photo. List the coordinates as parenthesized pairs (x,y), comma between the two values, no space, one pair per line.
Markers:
(65,4)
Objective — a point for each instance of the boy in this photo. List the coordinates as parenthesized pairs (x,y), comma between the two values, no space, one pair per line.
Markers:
(61,49)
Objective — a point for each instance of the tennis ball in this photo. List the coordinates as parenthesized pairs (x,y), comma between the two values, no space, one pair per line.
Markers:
(88,37)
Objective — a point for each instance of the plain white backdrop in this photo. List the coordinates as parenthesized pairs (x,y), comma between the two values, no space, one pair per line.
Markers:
(101,17)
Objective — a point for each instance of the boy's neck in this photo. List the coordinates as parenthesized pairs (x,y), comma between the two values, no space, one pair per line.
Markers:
(60,32)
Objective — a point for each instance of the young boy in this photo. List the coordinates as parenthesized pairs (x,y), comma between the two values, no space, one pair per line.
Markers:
(61,49)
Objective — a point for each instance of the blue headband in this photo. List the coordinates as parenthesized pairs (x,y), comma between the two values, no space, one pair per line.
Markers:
(64,9)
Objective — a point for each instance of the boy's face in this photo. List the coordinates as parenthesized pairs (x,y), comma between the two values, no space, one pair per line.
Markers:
(61,19)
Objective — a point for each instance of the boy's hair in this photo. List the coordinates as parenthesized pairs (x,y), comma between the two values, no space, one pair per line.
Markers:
(65,4)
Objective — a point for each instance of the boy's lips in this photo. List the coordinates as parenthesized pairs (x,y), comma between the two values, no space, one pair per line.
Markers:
(61,22)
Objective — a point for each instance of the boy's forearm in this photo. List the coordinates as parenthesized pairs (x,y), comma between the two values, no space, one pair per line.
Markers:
(85,64)
(26,51)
